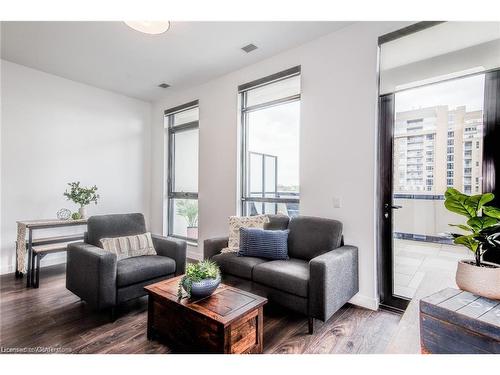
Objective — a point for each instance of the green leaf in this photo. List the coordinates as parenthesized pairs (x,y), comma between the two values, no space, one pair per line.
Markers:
(468,241)
(462,226)
(458,204)
(481,222)
(491,212)
(478,201)
(450,192)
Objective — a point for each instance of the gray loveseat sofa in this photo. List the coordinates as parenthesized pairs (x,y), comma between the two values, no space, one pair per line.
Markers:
(96,276)
(319,278)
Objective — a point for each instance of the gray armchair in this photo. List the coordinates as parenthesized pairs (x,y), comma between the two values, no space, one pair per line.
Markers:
(320,276)
(97,277)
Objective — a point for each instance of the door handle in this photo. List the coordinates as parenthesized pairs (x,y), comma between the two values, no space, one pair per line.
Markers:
(394,207)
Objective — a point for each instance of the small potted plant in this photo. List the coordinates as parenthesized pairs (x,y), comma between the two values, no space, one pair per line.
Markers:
(82,196)
(481,235)
(201,279)
(188,209)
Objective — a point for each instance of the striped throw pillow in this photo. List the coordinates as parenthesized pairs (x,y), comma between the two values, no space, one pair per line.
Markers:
(269,244)
(130,246)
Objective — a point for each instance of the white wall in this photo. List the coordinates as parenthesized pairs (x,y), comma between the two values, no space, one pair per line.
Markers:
(55,131)
(338,140)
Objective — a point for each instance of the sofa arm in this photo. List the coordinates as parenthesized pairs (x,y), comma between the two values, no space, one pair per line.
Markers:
(172,248)
(91,274)
(213,246)
(333,281)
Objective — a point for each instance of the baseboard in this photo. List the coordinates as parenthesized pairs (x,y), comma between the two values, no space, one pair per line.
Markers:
(364,301)
(51,260)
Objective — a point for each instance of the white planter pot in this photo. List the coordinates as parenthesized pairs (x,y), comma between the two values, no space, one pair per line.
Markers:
(482,281)
(83,212)
(192,232)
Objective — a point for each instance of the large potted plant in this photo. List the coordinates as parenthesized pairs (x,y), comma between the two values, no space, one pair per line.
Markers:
(200,280)
(82,196)
(188,209)
(481,234)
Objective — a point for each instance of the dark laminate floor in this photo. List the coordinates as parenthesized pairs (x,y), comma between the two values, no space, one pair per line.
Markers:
(53,317)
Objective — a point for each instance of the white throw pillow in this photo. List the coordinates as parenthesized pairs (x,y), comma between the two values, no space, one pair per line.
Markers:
(130,246)
(237,222)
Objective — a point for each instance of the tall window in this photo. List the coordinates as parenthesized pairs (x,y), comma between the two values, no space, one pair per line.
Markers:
(182,192)
(270,115)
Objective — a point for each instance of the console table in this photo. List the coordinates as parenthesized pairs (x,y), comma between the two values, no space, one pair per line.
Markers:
(37,248)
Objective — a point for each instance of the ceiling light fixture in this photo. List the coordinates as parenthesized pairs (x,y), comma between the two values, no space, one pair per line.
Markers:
(149,27)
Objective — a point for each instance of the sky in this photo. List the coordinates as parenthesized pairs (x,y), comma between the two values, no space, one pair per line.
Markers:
(464,91)
(275,131)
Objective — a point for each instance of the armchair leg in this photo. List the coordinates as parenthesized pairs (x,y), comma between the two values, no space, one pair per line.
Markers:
(310,323)
(112,314)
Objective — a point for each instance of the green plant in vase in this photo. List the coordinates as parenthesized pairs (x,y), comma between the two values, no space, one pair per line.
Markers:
(82,196)
(200,279)
(483,222)
(482,235)
(188,209)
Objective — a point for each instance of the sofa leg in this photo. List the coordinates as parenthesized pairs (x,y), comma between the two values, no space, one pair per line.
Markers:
(310,323)
(112,314)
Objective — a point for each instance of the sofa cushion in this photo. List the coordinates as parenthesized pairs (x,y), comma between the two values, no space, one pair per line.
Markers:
(137,269)
(291,276)
(115,225)
(232,264)
(277,222)
(312,236)
(237,222)
(268,244)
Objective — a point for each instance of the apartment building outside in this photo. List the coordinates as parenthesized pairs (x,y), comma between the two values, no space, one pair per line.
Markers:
(436,148)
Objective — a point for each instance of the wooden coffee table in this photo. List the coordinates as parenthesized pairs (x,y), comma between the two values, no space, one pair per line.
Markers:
(228,321)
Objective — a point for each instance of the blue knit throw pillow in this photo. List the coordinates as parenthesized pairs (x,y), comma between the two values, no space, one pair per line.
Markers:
(269,244)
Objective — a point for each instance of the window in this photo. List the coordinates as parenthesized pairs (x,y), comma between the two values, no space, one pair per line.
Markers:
(182,183)
(270,114)
(449,166)
(450,150)
(450,142)
(451,134)
(449,174)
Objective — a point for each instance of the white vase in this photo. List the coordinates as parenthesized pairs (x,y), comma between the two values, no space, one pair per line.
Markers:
(482,281)
(192,232)
(83,212)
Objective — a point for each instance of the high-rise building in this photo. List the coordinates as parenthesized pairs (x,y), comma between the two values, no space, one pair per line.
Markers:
(436,148)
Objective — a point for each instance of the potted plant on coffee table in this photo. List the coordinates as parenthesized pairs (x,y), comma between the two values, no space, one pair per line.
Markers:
(82,196)
(188,209)
(481,234)
(201,279)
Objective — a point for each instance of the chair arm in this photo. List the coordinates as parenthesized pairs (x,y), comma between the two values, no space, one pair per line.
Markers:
(213,246)
(333,281)
(91,274)
(172,248)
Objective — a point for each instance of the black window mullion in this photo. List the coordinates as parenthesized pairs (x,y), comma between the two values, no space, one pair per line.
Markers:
(491,141)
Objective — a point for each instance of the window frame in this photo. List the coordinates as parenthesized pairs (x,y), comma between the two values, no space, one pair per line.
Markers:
(244,111)
(171,193)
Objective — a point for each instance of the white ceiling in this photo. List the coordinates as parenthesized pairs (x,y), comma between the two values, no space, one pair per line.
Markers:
(112,56)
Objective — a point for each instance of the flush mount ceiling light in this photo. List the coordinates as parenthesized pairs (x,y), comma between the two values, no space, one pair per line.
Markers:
(149,27)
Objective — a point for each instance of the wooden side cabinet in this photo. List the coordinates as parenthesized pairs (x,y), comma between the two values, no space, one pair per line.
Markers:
(456,322)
